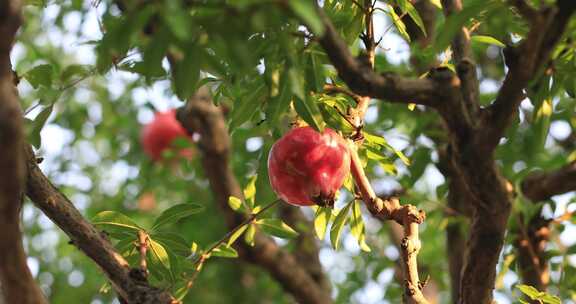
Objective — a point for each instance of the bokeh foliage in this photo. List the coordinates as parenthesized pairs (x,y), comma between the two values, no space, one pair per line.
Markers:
(94,72)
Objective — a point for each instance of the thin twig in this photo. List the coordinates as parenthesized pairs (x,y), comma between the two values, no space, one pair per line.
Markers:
(143,248)
(199,263)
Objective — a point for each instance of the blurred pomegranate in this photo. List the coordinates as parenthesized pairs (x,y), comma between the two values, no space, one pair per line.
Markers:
(159,136)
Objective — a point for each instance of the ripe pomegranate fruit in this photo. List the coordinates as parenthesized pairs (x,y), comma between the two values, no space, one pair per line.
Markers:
(158,135)
(307,167)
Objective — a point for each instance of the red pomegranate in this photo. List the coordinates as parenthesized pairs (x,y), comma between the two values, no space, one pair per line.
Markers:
(158,135)
(307,167)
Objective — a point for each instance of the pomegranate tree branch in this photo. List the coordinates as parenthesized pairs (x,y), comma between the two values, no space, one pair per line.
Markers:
(534,235)
(465,66)
(199,263)
(200,115)
(334,89)
(88,239)
(524,9)
(143,248)
(362,80)
(18,285)
(406,215)
(540,186)
(524,62)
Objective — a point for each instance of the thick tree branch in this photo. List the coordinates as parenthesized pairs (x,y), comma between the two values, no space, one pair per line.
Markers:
(524,62)
(534,235)
(202,116)
(460,202)
(88,239)
(540,186)
(465,65)
(307,250)
(365,82)
(524,9)
(18,285)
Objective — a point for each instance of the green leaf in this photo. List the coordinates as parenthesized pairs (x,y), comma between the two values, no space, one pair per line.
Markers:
(35,127)
(225,251)
(338,225)
(322,218)
(115,222)
(398,23)
(236,235)
(236,204)
(74,71)
(357,227)
(400,155)
(178,20)
(126,244)
(41,3)
(487,40)
(406,6)
(176,213)
(528,290)
(250,233)
(246,106)
(278,105)
(277,227)
(306,11)
(542,116)
(158,254)
(535,294)
(455,22)
(250,189)
(186,73)
(173,242)
(314,72)
(40,75)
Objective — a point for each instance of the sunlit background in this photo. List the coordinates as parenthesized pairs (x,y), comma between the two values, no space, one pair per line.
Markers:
(77,151)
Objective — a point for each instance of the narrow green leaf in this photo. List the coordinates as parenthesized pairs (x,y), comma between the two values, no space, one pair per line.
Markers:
(236,204)
(455,22)
(249,236)
(159,255)
(176,213)
(542,116)
(37,125)
(279,104)
(236,235)
(338,225)
(225,251)
(314,72)
(406,6)
(487,40)
(186,73)
(250,189)
(398,23)
(115,220)
(528,290)
(246,106)
(306,11)
(126,244)
(357,227)
(400,155)
(308,110)
(74,71)
(173,242)
(321,220)
(277,227)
